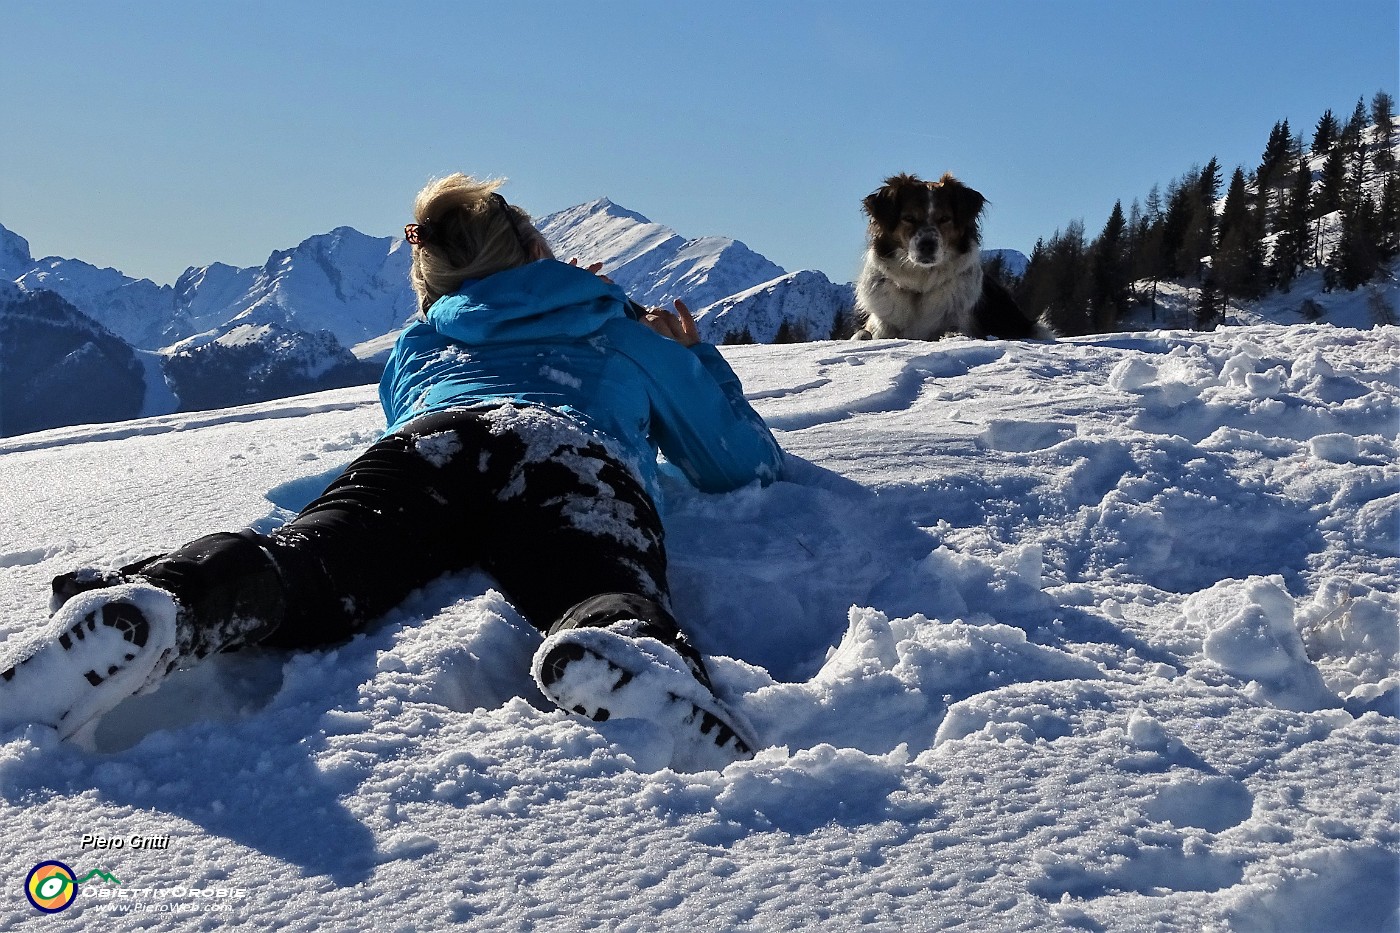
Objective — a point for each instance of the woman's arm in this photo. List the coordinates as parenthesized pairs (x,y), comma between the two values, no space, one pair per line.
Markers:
(700,418)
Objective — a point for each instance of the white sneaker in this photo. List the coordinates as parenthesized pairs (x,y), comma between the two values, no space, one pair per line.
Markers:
(100,648)
(604,674)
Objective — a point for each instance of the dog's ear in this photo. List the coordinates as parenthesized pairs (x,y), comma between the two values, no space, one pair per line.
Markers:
(882,206)
(966,205)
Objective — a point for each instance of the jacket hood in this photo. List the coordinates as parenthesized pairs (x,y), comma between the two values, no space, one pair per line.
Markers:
(543,300)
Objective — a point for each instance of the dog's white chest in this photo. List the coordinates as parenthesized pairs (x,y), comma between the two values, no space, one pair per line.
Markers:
(918,304)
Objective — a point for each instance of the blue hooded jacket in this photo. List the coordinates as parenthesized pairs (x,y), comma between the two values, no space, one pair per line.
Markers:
(555,335)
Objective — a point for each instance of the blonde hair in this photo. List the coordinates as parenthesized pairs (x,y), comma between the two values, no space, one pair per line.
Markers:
(468,232)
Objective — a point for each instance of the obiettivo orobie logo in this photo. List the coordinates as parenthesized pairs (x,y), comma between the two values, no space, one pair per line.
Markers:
(53,886)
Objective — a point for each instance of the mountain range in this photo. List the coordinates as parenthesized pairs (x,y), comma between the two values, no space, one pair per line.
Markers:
(325,313)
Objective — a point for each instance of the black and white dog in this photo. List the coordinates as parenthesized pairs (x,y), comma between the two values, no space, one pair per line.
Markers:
(922,277)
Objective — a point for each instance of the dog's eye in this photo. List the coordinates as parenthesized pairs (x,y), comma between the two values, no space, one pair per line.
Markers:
(942,219)
(911,219)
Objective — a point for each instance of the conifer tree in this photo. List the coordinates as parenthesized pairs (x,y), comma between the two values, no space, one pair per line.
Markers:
(788,332)
(1031,291)
(1233,212)
(1210,182)
(1389,216)
(1383,116)
(1383,113)
(843,324)
(1150,263)
(1154,204)
(1294,242)
(1275,151)
(1357,256)
(1325,134)
(1238,263)
(1273,170)
(1136,235)
(1358,154)
(1198,239)
(1056,283)
(1332,185)
(1208,310)
(1109,270)
(1353,133)
(997,268)
(1176,218)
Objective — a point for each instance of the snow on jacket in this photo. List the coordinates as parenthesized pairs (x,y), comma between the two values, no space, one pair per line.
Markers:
(554,335)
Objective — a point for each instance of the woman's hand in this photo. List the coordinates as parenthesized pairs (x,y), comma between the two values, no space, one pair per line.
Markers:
(596,268)
(680,326)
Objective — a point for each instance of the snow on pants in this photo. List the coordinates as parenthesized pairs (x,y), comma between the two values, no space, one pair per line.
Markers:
(536,502)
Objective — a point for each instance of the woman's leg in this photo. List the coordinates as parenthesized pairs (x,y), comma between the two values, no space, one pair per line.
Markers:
(572,523)
(583,546)
(407,511)
(391,522)
(399,516)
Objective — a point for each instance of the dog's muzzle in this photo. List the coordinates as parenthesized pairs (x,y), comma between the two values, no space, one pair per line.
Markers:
(924,249)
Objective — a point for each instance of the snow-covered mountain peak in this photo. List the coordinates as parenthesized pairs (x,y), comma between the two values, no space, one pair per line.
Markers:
(653,263)
(134,309)
(601,231)
(605,207)
(797,306)
(346,282)
(15,257)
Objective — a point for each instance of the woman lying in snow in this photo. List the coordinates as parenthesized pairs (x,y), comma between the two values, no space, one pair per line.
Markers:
(525,410)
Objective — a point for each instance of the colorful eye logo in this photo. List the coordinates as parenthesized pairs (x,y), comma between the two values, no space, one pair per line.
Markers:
(51,886)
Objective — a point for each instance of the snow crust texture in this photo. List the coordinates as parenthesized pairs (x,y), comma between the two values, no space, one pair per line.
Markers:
(1098,634)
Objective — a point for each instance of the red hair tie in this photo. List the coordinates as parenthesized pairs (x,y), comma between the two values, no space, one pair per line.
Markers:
(418,234)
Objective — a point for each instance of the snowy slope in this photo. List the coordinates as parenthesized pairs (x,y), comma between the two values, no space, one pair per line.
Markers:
(1098,634)
(15,258)
(204,296)
(133,309)
(345,282)
(1013,260)
(651,262)
(726,284)
(808,302)
(58,366)
(1307,301)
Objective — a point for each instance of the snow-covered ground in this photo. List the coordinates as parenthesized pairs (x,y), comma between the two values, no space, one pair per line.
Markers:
(1307,301)
(1092,635)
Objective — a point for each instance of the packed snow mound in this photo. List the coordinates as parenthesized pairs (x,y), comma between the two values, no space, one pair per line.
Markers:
(1098,634)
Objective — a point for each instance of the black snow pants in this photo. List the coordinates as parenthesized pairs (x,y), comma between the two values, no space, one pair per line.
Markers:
(570,534)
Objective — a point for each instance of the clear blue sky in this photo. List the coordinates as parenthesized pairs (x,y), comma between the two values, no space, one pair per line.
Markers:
(152,136)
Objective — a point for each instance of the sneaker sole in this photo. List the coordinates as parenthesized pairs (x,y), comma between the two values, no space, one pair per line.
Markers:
(608,687)
(90,666)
